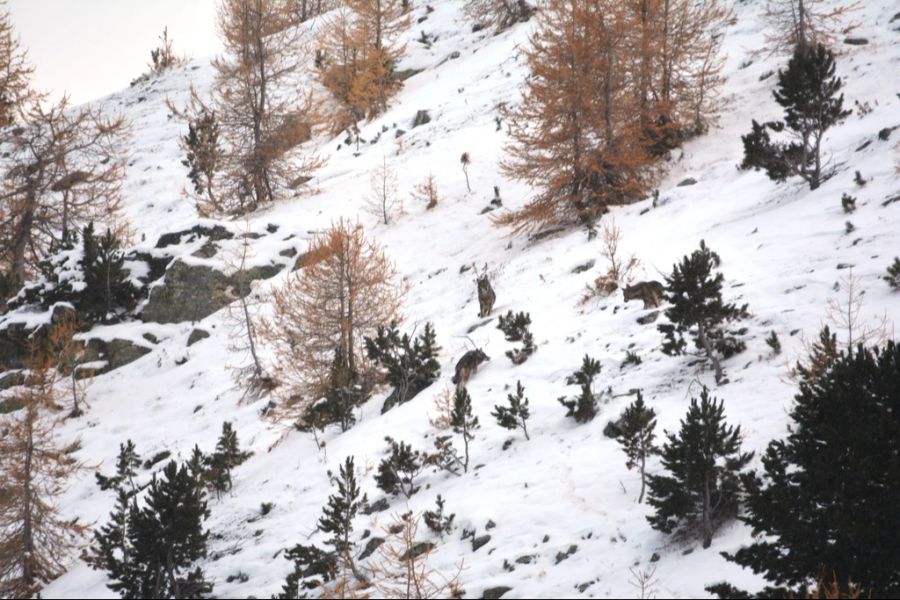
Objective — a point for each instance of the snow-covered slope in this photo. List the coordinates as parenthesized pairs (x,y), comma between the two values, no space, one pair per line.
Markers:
(783,250)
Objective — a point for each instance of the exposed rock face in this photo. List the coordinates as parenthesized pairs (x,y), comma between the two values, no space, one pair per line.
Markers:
(117,353)
(192,292)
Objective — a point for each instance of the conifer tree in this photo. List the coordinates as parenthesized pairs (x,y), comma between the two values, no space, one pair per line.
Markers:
(703,463)
(203,156)
(107,287)
(111,550)
(397,473)
(262,131)
(15,72)
(35,538)
(573,136)
(345,291)
(337,516)
(341,398)
(463,421)
(411,364)
(226,457)
(808,91)
(167,538)
(64,168)
(893,275)
(637,424)
(197,467)
(313,567)
(822,503)
(515,328)
(697,309)
(583,408)
(515,415)
(438,520)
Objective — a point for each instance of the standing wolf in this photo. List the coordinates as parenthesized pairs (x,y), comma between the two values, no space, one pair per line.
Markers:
(651,292)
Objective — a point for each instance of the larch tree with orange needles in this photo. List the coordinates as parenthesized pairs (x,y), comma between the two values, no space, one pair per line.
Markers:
(345,290)
(263,129)
(676,66)
(64,168)
(35,539)
(359,52)
(15,72)
(574,136)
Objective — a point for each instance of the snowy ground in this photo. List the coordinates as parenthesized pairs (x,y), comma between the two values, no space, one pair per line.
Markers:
(781,248)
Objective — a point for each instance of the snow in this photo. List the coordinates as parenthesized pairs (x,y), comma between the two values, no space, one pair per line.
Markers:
(781,246)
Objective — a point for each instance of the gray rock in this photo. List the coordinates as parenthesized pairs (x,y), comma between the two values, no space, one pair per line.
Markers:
(196,336)
(371,547)
(856,41)
(215,234)
(379,505)
(612,430)
(191,293)
(495,592)
(479,542)
(418,550)
(117,353)
(561,556)
(422,117)
(686,182)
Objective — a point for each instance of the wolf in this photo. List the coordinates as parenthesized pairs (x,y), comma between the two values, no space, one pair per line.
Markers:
(486,296)
(468,365)
(651,292)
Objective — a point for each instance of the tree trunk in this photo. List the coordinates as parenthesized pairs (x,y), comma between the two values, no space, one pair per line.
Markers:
(707,519)
(707,347)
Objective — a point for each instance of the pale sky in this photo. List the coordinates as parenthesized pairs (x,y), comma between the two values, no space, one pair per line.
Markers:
(91,48)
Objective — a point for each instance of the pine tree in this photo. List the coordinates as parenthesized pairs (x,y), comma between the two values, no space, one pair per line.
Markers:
(111,550)
(397,473)
(341,399)
(697,309)
(893,275)
(808,92)
(438,520)
(203,157)
(226,457)
(515,415)
(313,567)
(338,514)
(821,504)
(463,421)
(515,328)
(583,408)
(637,424)
(411,364)
(107,285)
(167,538)
(703,462)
